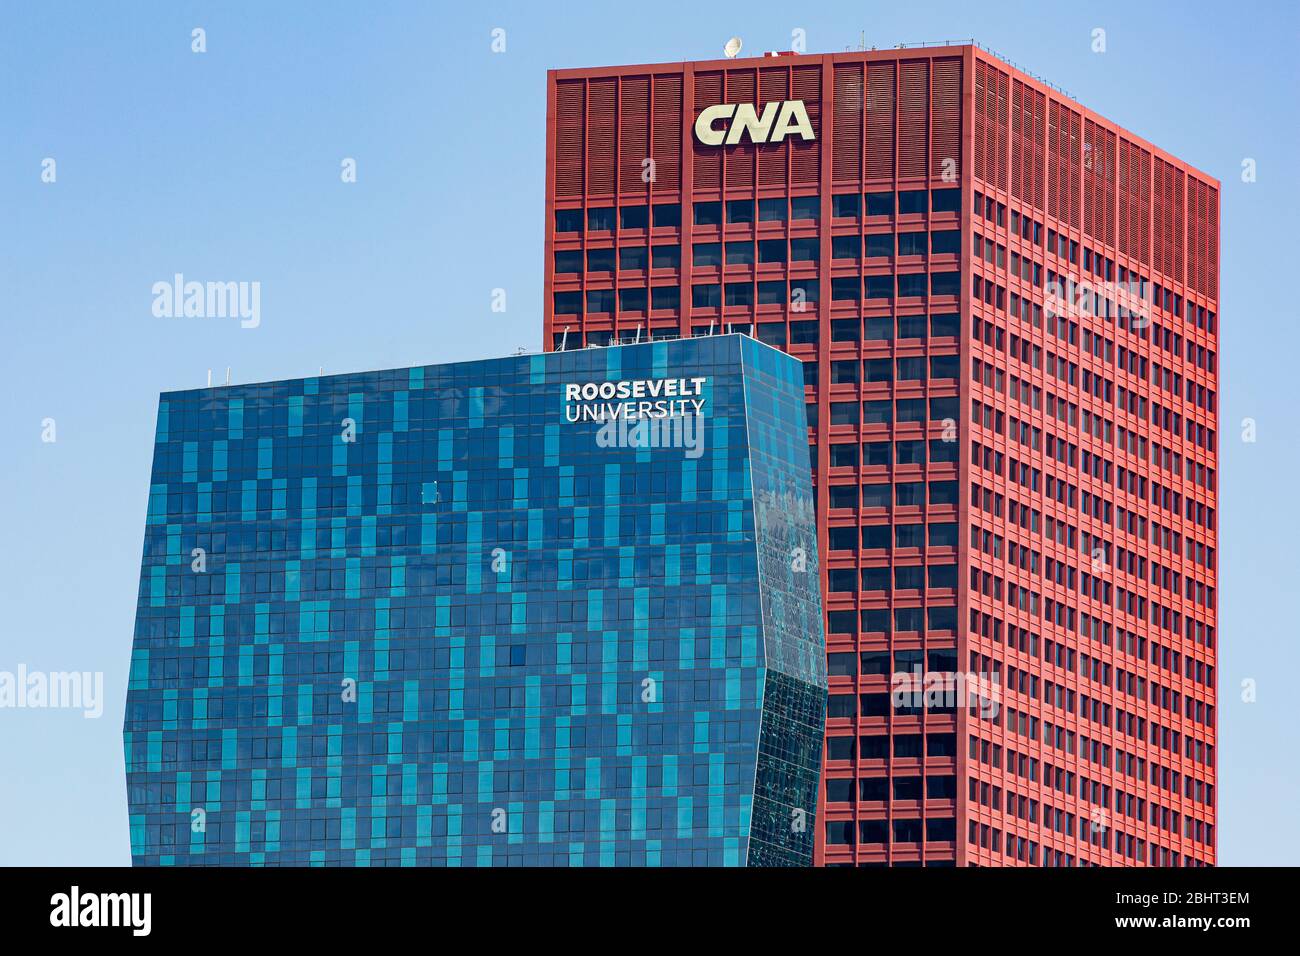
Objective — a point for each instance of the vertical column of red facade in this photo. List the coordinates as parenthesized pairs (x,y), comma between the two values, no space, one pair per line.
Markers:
(892,292)
(1093,490)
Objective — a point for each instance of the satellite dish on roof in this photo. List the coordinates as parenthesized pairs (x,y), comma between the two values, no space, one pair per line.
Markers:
(732,47)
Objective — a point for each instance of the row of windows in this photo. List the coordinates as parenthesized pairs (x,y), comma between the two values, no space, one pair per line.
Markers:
(912,577)
(748,252)
(877,663)
(903,620)
(906,452)
(882,411)
(888,287)
(904,494)
(878,746)
(763,251)
(935,700)
(876,537)
(906,368)
(748,211)
(884,245)
(778,334)
(909,202)
(879,789)
(796,294)
(628,259)
(870,832)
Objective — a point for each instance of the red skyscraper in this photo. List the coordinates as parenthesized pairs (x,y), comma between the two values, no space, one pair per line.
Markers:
(1007,310)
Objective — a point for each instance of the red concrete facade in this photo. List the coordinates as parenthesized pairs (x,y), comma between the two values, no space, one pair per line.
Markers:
(1010,340)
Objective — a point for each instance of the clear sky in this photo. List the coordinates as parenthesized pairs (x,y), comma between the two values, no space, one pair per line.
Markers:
(225,165)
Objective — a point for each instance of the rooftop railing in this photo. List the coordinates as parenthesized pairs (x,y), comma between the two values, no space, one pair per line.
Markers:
(975,43)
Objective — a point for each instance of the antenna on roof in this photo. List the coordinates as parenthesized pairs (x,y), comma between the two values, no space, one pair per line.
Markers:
(712,322)
(227,374)
(637,340)
(732,48)
(209,378)
(564,338)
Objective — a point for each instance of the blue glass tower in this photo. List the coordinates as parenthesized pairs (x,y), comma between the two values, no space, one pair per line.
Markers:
(556,609)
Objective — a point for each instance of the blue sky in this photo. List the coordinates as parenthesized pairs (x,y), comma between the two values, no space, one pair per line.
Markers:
(225,165)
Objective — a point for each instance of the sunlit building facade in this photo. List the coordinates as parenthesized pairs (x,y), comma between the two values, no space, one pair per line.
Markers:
(1006,307)
(546,610)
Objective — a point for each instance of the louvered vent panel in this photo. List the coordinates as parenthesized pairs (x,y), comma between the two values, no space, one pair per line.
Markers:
(1054,164)
(849,108)
(1163,215)
(1212,242)
(1020,148)
(1001,118)
(1180,225)
(634,124)
(1108,197)
(1074,166)
(667,146)
(805,159)
(568,138)
(981,121)
(774,87)
(1099,183)
(738,160)
(1170,215)
(880,121)
(1128,203)
(913,125)
(1092,213)
(601,105)
(945,117)
(1145,212)
(1040,148)
(707,169)
(1063,164)
(1196,244)
(1026,180)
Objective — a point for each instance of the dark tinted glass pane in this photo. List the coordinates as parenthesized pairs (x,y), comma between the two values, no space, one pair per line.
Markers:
(600,219)
(880,204)
(911,201)
(568,220)
(708,213)
(633,217)
(740,210)
(668,214)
